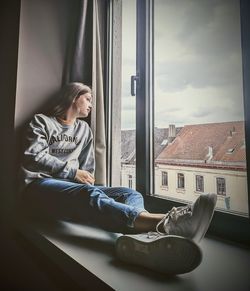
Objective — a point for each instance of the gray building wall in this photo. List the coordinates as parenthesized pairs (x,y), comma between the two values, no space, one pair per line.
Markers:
(44,31)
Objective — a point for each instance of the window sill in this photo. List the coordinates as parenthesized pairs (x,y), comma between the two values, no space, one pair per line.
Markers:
(165,188)
(198,193)
(181,190)
(87,255)
(222,197)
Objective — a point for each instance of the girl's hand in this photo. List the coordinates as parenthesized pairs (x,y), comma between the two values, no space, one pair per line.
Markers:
(84,177)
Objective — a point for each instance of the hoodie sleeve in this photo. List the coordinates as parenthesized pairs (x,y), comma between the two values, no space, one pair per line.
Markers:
(36,155)
(87,156)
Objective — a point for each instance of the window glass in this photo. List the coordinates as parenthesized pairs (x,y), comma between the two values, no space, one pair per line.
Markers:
(164,179)
(128,102)
(198,101)
(221,186)
(130,181)
(181,181)
(199,183)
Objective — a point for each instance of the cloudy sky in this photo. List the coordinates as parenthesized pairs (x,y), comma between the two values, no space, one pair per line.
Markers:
(198,69)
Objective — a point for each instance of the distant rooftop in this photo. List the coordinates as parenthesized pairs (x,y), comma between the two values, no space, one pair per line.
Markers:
(213,143)
(128,146)
(161,140)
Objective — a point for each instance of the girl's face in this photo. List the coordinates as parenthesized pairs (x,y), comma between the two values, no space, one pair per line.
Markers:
(83,105)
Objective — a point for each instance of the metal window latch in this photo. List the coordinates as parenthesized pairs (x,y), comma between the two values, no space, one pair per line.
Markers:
(134,79)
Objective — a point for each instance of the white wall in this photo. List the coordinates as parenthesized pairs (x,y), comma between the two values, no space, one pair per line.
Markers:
(236,185)
(127,170)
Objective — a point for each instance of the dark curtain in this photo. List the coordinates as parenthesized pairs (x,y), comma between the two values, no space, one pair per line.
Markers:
(85,64)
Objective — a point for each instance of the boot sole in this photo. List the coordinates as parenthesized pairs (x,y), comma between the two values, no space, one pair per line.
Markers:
(169,254)
(207,206)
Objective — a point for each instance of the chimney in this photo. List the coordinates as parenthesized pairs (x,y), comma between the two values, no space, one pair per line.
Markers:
(210,153)
(171,132)
(232,131)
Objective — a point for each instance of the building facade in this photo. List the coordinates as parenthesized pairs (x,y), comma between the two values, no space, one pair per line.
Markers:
(202,158)
(186,183)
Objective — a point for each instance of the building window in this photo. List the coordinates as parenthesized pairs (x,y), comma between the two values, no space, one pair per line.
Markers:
(221,186)
(130,181)
(164,179)
(181,181)
(199,183)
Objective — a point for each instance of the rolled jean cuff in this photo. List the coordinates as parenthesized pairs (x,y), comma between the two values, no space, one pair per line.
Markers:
(133,215)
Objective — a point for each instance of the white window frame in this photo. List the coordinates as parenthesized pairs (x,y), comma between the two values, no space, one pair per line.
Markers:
(197,177)
(219,185)
(130,181)
(180,180)
(164,179)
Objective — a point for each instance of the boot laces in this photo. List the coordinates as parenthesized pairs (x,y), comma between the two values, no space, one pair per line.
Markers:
(173,215)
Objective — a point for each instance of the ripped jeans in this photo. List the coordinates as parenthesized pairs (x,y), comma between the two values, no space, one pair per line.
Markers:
(111,208)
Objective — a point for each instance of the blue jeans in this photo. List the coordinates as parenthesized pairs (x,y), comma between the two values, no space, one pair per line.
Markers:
(111,208)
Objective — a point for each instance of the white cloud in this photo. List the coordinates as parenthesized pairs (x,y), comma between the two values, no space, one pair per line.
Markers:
(198,70)
(197,105)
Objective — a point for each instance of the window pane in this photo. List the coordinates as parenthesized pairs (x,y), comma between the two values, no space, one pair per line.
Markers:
(128,101)
(164,179)
(181,181)
(198,101)
(221,186)
(199,183)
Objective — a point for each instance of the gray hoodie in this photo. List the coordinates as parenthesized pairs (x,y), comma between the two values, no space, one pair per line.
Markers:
(56,150)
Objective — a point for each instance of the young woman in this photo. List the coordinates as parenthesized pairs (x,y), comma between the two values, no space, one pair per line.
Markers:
(57,177)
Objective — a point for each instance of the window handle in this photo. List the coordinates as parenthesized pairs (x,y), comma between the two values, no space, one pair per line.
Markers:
(134,79)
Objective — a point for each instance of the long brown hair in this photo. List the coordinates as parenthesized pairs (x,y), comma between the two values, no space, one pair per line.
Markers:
(64,100)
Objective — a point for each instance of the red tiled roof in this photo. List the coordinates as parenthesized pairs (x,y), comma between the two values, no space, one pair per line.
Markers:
(226,142)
